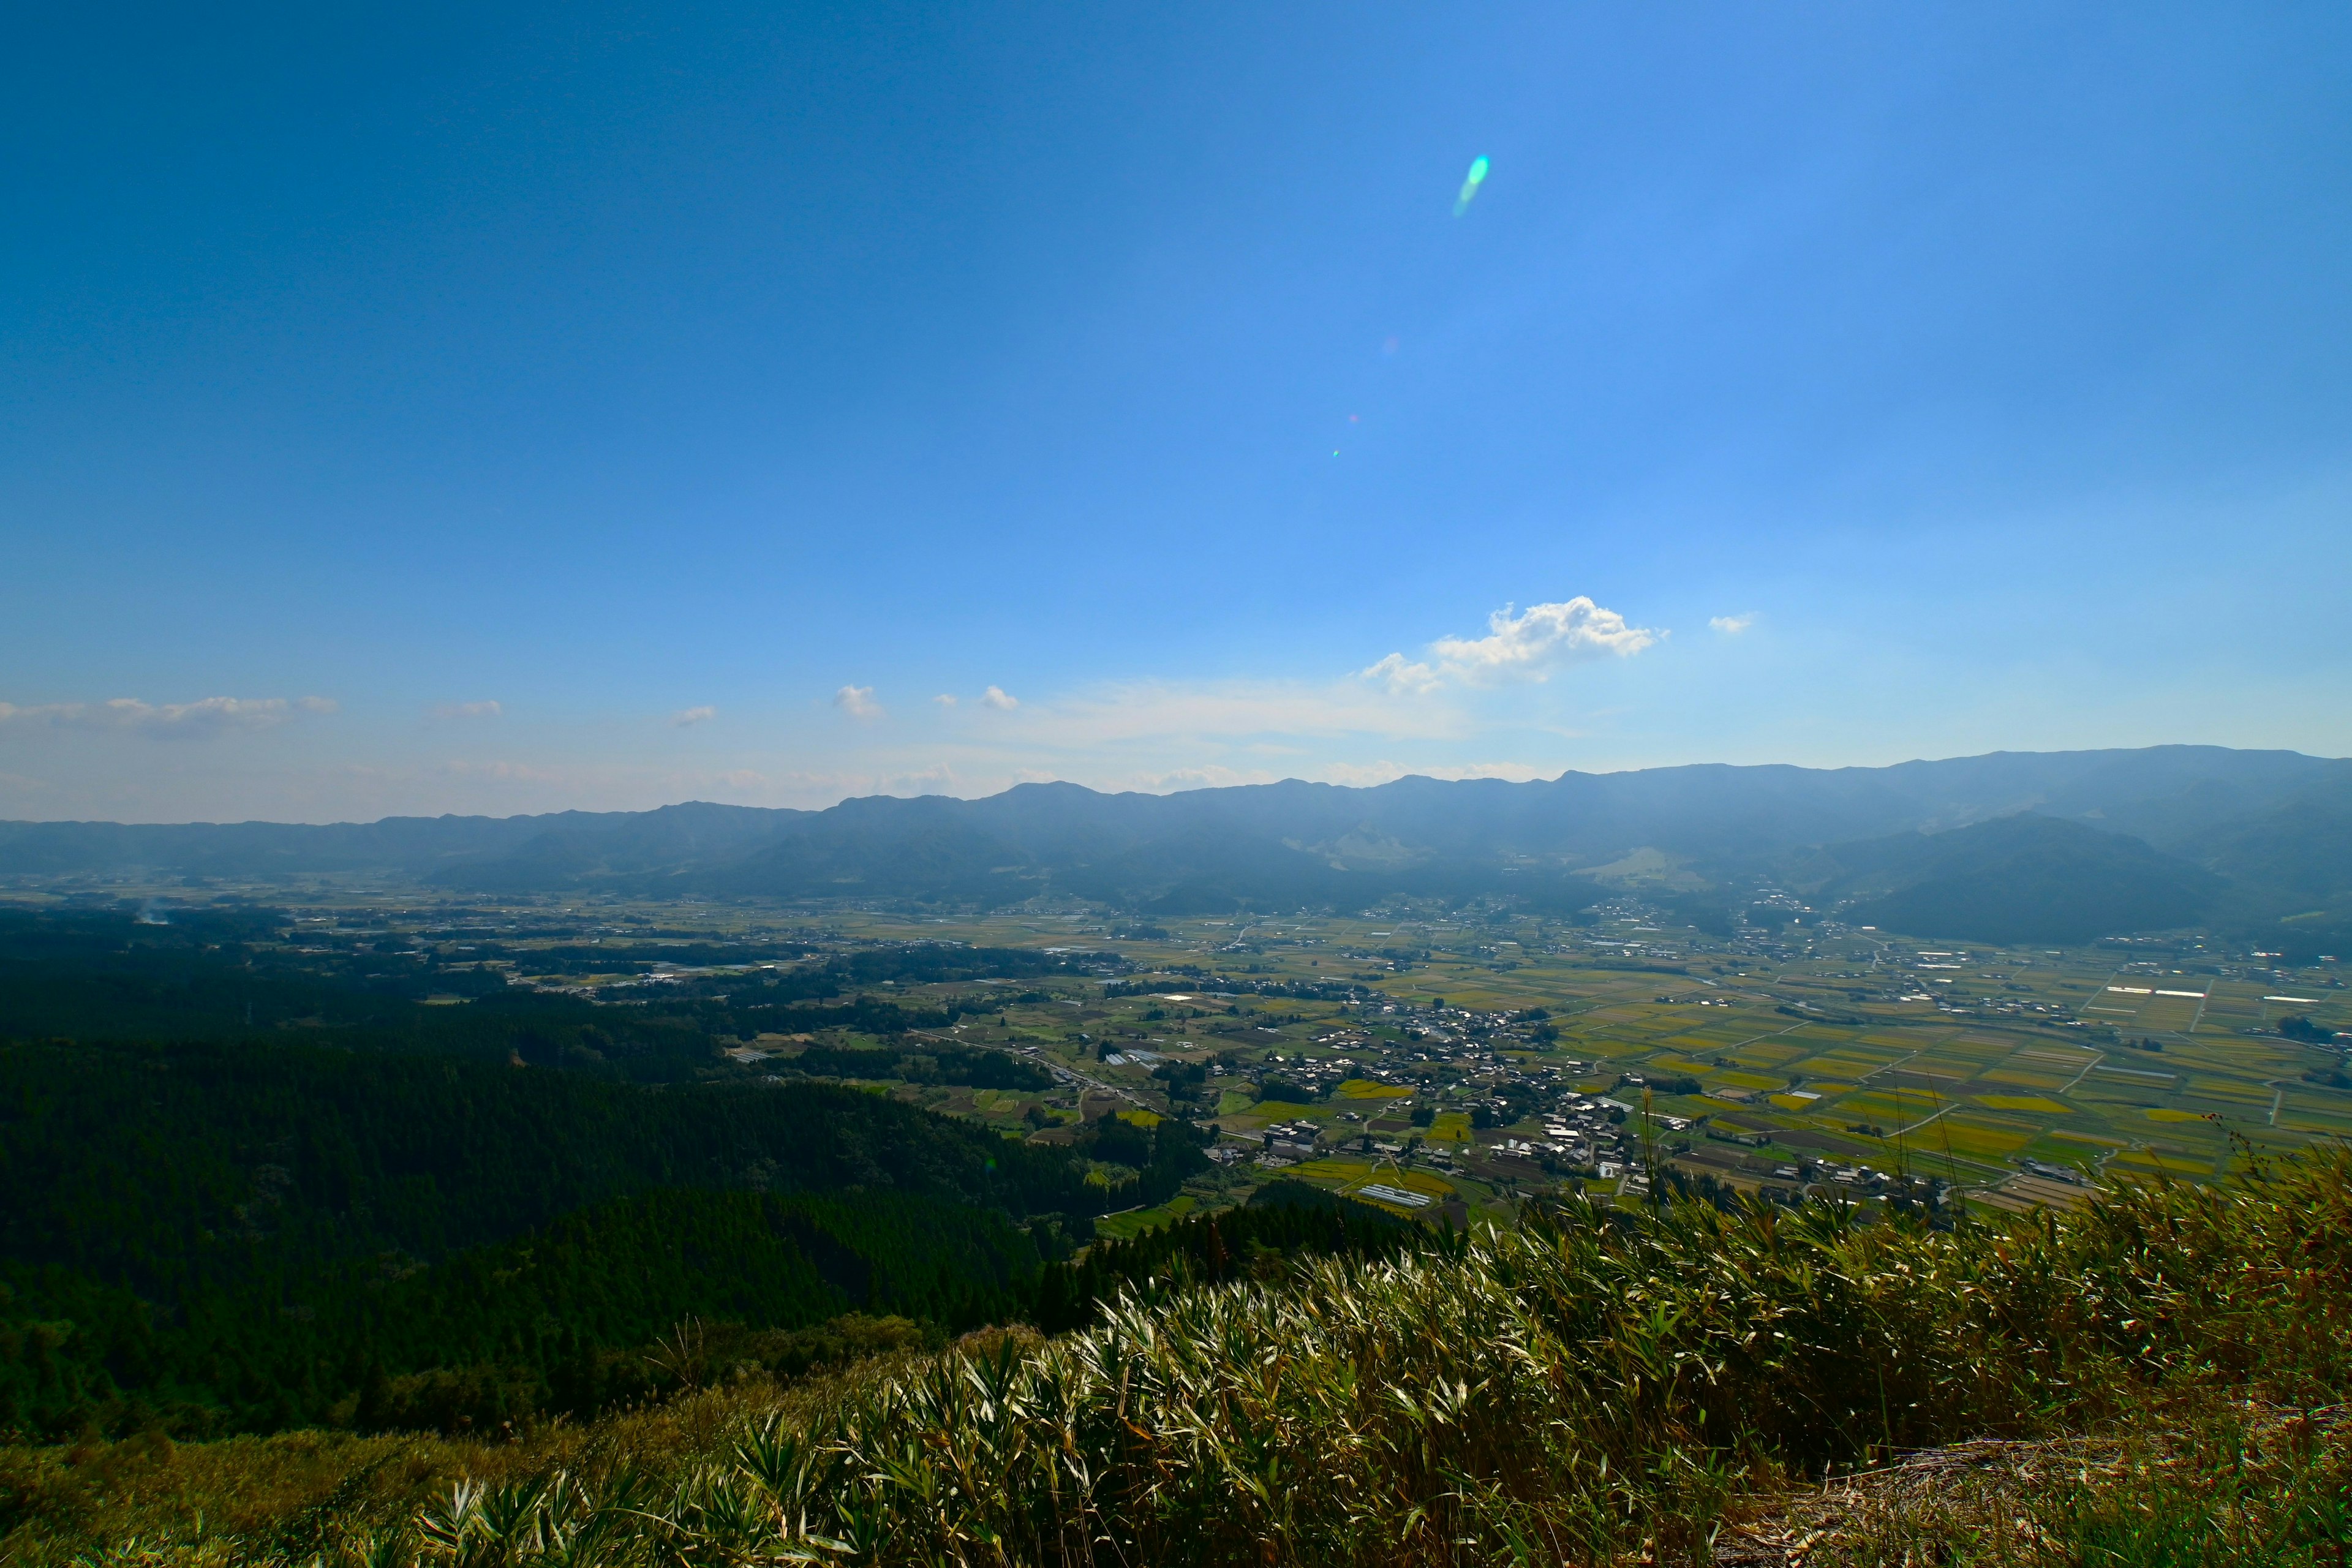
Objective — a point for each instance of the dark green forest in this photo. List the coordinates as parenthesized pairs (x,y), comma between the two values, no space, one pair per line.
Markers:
(232,1236)
(250,1187)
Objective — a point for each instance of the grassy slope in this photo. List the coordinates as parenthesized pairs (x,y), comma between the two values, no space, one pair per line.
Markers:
(1562,1393)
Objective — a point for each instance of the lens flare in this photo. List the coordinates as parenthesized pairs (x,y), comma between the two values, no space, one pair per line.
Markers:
(1470,186)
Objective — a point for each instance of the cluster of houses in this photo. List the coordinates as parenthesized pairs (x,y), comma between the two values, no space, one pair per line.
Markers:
(1583,1131)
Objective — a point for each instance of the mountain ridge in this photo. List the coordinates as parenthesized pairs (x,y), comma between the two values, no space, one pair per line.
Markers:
(2277,825)
(2004,782)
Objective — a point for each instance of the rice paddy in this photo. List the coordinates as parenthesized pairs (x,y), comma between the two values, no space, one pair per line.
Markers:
(1830,1045)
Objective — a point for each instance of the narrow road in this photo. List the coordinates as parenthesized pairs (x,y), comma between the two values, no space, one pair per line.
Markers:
(1928,1121)
(1900,1061)
(1774,1035)
(2096,1057)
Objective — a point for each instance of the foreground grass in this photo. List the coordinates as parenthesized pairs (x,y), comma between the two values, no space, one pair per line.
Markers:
(1592,1388)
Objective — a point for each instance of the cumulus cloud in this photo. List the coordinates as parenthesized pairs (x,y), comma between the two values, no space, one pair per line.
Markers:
(208,716)
(1540,639)
(1732,625)
(685,717)
(857,702)
(997,698)
(945,699)
(485,710)
(1530,644)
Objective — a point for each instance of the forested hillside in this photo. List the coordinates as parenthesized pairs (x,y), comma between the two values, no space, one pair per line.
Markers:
(228,1235)
(2026,878)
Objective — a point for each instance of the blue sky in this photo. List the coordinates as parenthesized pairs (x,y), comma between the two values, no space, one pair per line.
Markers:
(513,408)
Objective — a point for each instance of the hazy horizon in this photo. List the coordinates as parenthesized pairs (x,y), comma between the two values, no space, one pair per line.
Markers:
(981,794)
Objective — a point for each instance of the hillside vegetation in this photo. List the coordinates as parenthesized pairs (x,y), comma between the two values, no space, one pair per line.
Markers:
(1594,1387)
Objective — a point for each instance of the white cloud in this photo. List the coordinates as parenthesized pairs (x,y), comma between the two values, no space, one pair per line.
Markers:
(685,717)
(997,698)
(945,699)
(1528,646)
(857,702)
(1540,639)
(1732,625)
(468,711)
(210,715)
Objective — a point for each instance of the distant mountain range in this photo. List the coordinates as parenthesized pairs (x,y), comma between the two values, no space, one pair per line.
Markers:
(2259,842)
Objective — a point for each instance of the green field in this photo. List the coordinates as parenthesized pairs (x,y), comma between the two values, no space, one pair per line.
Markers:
(2006,1062)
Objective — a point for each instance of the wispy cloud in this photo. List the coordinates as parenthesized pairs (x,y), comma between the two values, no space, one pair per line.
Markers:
(997,698)
(857,702)
(208,716)
(945,699)
(1385,772)
(686,718)
(1732,625)
(484,710)
(1402,676)
(1360,774)
(509,772)
(1170,711)
(824,787)
(1532,645)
